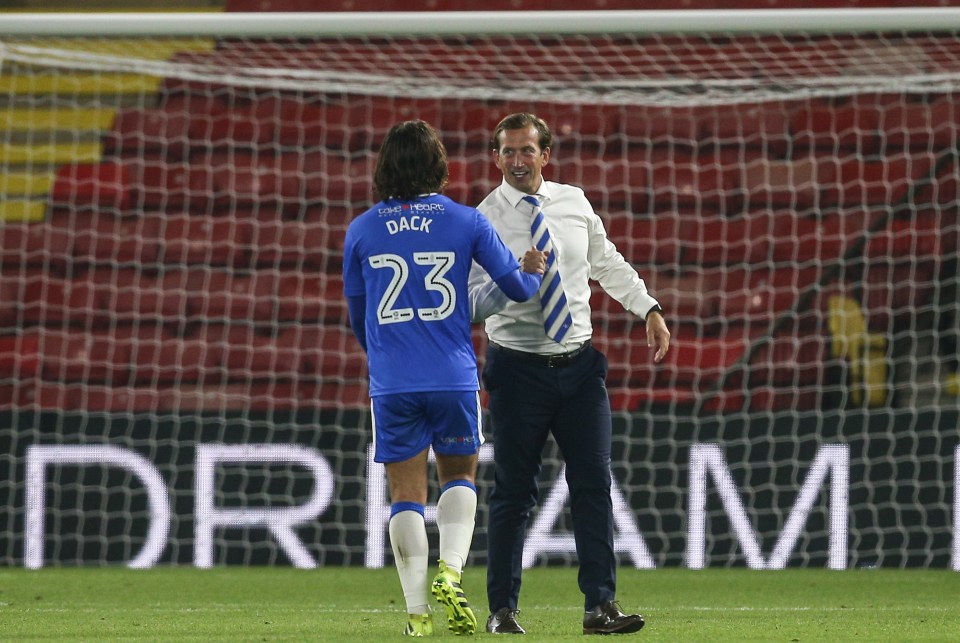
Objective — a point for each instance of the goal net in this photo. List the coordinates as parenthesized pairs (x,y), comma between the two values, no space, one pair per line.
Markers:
(178,382)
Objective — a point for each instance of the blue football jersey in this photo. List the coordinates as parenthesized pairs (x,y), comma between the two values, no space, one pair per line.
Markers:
(412,259)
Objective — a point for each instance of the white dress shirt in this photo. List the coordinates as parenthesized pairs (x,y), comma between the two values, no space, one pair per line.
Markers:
(583,252)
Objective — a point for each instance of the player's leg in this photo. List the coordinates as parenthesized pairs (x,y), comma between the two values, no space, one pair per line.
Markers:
(456,518)
(456,508)
(408,539)
(402,446)
(456,420)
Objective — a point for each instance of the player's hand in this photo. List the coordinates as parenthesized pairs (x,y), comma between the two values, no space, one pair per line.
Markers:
(534,262)
(658,335)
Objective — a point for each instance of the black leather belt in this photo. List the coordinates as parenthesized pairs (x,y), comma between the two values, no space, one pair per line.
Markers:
(548,361)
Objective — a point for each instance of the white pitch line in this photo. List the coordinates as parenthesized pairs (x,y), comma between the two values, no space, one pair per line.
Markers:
(538,608)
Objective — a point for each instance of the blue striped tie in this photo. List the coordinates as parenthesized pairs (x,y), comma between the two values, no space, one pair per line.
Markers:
(557,319)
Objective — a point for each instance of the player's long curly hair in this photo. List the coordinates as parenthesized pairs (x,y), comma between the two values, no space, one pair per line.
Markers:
(412,161)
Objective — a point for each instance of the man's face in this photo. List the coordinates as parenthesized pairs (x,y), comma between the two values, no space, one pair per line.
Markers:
(520,158)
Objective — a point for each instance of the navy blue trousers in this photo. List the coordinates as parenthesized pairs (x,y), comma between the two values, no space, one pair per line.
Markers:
(528,402)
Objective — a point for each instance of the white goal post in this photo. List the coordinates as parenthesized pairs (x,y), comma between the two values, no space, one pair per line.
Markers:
(174,190)
(465,23)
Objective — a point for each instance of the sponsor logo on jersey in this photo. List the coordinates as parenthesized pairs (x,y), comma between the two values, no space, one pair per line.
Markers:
(407,208)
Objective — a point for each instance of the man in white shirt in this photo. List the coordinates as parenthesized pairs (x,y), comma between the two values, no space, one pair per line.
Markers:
(545,377)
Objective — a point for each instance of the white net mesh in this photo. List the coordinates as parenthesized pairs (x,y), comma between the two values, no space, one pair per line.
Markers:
(173,216)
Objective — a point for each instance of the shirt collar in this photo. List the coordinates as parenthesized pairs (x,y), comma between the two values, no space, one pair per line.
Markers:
(515,196)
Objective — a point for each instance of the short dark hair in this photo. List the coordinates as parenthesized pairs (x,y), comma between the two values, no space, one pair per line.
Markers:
(412,161)
(521,120)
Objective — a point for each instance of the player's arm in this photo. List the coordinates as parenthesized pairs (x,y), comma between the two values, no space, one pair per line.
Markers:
(519,285)
(354,289)
(512,281)
(486,298)
(356,308)
(490,296)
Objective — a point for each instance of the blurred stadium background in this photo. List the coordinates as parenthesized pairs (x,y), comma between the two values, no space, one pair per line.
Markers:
(172,212)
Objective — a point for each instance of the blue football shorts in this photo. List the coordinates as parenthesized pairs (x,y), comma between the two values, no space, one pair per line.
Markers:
(404,424)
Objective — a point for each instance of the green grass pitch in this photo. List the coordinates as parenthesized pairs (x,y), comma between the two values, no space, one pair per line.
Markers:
(350,604)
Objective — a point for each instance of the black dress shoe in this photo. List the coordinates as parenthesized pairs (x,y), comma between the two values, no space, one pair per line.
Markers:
(607,618)
(504,621)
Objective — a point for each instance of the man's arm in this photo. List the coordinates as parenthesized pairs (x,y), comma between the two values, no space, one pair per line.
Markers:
(621,281)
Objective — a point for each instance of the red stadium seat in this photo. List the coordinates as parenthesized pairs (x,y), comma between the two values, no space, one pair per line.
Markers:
(691,298)
(919,125)
(845,129)
(790,359)
(860,183)
(281,243)
(77,356)
(611,183)
(51,301)
(337,181)
(217,295)
(19,356)
(279,297)
(302,123)
(581,128)
(313,242)
(187,396)
(106,239)
(708,182)
(231,125)
(467,125)
(329,352)
(45,245)
(307,297)
(697,362)
(764,126)
(824,239)
(325,233)
(190,240)
(333,393)
(645,240)
(247,355)
(263,298)
(942,193)
(755,296)
(900,271)
(37,394)
(242,178)
(770,184)
(158,356)
(130,296)
(724,241)
(158,184)
(202,104)
(136,131)
(370,119)
(101,185)
(10,296)
(462,186)
(650,126)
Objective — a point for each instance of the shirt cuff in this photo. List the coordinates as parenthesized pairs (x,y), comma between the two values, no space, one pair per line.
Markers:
(655,309)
